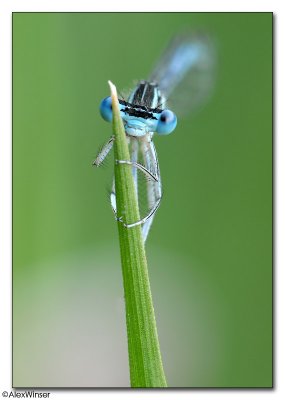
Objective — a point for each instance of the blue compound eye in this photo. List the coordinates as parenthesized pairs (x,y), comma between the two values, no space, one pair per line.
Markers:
(166,123)
(106,109)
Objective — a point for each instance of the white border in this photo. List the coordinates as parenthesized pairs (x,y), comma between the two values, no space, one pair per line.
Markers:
(6,8)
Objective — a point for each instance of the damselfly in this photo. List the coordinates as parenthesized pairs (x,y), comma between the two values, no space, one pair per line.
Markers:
(184,72)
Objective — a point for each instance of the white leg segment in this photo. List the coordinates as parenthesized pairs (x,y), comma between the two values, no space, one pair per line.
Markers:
(104,152)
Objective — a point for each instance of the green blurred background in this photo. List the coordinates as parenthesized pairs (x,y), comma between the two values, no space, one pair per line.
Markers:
(210,248)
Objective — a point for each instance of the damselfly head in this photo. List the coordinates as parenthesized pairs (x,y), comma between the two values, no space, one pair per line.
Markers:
(140,120)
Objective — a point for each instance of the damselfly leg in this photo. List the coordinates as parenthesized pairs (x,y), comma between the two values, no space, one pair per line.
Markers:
(151,172)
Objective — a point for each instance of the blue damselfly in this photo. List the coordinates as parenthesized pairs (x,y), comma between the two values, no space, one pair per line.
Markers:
(184,74)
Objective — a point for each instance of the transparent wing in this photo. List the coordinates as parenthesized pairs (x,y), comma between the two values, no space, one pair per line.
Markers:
(145,171)
(186,72)
(148,189)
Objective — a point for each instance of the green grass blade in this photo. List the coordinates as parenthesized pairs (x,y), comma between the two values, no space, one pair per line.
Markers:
(146,369)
